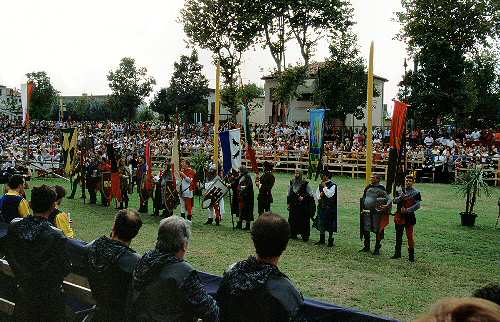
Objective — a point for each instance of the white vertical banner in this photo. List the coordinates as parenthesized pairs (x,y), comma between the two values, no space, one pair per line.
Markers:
(24,102)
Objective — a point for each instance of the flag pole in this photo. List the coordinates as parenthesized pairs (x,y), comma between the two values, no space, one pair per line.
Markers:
(217,115)
(369,107)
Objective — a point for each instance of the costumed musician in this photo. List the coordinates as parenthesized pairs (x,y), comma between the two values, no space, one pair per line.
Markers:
(265,185)
(301,206)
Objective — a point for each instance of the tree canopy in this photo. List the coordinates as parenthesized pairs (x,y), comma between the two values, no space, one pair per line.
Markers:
(44,95)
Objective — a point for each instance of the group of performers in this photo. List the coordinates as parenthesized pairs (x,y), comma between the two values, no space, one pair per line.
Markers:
(113,177)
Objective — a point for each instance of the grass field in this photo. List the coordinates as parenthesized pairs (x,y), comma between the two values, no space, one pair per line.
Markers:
(451,261)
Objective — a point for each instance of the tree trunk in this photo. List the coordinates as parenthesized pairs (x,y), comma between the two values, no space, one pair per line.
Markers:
(473,200)
(467,203)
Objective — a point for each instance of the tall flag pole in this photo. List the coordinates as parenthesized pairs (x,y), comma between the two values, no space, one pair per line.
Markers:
(369,107)
(217,114)
(26,94)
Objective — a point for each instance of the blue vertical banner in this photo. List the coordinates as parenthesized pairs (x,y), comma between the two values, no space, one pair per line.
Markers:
(317,118)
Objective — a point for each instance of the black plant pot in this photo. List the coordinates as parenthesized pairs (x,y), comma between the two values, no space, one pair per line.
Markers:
(468,219)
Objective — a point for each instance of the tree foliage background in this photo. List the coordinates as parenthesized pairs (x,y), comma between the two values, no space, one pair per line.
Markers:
(44,95)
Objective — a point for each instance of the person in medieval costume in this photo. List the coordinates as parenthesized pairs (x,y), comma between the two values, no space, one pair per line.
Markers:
(78,176)
(245,199)
(124,173)
(105,170)
(301,207)
(327,214)
(92,178)
(234,181)
(163,183)
(408,201)
(265,185)
(144,193)
(187,185)
(216,209)
(374,216)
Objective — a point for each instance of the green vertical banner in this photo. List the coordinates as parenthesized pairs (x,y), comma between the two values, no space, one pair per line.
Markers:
(315,139)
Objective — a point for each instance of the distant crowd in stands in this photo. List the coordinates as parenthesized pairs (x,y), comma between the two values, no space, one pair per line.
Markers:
(443,147)
(160,285)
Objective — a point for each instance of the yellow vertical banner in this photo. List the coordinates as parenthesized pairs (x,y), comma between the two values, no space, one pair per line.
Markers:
(217,115)
(369,107)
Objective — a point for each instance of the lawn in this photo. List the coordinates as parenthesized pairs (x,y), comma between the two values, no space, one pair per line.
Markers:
(451,261)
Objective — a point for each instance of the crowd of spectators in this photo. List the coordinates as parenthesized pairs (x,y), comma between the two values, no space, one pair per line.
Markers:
(441,147)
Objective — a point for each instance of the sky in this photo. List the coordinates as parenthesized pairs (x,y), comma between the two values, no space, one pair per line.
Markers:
(78,42)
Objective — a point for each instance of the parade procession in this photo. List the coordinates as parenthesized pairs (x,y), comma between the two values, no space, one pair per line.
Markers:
(250,161)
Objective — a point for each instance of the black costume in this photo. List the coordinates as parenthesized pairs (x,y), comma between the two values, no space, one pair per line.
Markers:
(36,252)
(235,200)
(251,291)
(92,180)
(301,208)
(110,266)
(246,200)
(166,288)
(77,177)
(373,219)
(265,196)
(327,217)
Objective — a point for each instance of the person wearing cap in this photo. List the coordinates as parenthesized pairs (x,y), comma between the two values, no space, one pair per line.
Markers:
(327,214)
(374,217)
(408,201)
(245,199)
(265,185)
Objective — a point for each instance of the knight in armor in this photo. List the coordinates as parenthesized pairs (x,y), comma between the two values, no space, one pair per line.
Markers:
(374,216)
(187,185)
(109,264)
(164,286)
(59,218)
(124,172)
(163,186)
(327,215)
(216,210)
(408,201)
(78,176)
(265,185)
(37,254)
(255,289)
(245,199)
(301,207)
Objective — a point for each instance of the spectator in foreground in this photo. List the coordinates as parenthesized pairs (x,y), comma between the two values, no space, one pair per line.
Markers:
(36,252)
(255,289)
(164,286)
(59,218)
(490,292)
(110,263)
(12,204)
(463,310)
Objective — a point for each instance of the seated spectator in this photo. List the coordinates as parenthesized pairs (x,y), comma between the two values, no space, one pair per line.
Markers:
(110,265)
(255,289)
(463,310)
(36,252)
(164,286)
(59,218)
(490,292)
(12,204)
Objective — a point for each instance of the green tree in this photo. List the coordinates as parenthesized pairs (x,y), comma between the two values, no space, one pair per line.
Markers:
(227,29)
(130,86)
(188,86)
(160,104)
(288,83)
(247,94)
(44,95)
(440,35)
(341,81)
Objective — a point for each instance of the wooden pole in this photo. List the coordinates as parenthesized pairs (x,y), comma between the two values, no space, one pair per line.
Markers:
(369,106)
(217,115)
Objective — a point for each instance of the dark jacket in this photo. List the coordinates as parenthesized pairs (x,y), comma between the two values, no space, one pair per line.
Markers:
(252,291)
(110,266)
(9,206)
(165,288)
(36,252)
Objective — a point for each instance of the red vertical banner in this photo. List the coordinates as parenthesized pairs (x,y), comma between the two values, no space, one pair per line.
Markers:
(149,165)
(398,123)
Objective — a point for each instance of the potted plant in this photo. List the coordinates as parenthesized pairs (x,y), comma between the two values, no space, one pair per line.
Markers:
(471,184)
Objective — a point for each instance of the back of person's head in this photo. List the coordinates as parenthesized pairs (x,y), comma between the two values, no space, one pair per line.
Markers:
(127,224)
(15,182)
(173,233)
(270,234)
(60,192)
(490,292)
(42,199)
(463,310)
